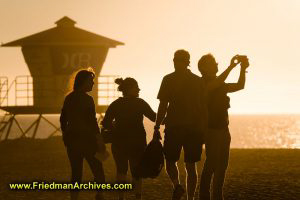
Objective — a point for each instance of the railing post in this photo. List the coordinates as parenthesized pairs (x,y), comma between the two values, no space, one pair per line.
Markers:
(0,92)
(3,90)
(7,92)
(27,92)
(16,92)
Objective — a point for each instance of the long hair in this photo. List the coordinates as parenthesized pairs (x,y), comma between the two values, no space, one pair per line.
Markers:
(81,77)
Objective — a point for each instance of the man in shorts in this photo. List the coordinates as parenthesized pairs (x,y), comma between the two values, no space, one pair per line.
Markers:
(183,110)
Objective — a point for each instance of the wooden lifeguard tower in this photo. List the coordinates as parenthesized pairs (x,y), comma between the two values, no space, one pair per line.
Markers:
(53,56)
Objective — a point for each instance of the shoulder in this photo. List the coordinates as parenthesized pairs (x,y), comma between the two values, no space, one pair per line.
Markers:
(196,79)
(116,102)
(88,97)
(69,96)
(169,76)
(195,76)
(142,104)
(141,101)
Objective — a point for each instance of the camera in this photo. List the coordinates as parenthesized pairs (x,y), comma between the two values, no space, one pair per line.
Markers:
(241,59)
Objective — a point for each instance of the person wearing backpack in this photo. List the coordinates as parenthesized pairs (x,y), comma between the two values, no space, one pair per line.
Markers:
(217,138)
(125,116)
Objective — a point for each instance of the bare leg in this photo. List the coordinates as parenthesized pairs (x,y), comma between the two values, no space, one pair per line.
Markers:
(136,180)
(205,181)
(191,180)
(218,182)
(173,173)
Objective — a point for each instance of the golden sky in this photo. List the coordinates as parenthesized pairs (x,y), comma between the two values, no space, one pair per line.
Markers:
(268,31)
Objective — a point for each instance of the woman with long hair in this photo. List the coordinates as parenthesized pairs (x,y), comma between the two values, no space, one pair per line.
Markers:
(80,129)
(125,115)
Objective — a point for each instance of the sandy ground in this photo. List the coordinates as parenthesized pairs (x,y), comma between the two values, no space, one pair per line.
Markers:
(252,173)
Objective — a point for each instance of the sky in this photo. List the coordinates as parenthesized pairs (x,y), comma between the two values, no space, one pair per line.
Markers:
(267,31)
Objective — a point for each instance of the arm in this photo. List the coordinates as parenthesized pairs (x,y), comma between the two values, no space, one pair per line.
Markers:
(99,140)
(108,118)
(93,117)
(63,122)
(148,112)
(161,113)
(63,118)
(163,96)
(233,87)
(220,79)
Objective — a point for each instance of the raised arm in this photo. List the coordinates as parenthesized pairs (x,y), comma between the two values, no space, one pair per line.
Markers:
(220,79)
(233,87)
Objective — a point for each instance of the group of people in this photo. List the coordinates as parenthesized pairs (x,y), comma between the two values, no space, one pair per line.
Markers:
(193,109)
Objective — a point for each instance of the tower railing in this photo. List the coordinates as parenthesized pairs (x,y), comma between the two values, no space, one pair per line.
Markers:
(4,90)
(107,89)
(20,91)
(24,90)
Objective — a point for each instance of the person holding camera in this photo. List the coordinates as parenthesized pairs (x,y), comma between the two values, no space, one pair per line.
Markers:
(217,137)
(125,115)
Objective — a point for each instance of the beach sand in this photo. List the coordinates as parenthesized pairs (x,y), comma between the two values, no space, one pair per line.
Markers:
(252,173)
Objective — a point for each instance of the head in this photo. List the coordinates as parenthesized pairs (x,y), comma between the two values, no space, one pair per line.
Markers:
(84,81)
(208,66)
(181,60)
(128,86)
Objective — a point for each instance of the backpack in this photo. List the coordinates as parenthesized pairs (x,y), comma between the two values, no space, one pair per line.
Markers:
(152,160)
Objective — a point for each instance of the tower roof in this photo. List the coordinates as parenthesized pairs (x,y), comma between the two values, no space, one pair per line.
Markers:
(65,33)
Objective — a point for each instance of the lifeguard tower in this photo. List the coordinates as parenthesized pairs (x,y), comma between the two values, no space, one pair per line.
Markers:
(53,56)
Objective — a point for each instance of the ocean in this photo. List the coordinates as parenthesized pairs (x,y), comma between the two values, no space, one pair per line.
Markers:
(247,131)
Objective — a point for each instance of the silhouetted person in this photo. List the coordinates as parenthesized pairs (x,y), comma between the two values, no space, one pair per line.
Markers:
(182,105)
(125,117)
(217,138)
(79,127)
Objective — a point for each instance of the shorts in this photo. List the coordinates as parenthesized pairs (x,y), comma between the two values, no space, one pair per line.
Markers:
(131,152)
(177,138)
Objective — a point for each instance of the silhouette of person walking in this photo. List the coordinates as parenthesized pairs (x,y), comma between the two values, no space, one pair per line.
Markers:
(181,96)
(217,138)
(125,117)
(79,127)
